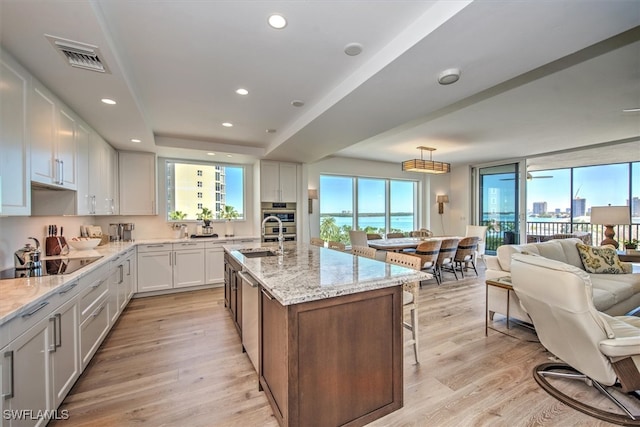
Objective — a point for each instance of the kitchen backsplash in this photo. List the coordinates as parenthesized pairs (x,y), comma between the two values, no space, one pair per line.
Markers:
(14,231)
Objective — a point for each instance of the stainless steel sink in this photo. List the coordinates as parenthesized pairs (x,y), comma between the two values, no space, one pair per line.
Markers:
(257,253)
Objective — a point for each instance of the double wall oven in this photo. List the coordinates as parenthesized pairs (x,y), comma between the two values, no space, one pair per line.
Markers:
(286,212)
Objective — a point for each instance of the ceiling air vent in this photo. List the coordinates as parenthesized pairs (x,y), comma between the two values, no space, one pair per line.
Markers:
(79,55)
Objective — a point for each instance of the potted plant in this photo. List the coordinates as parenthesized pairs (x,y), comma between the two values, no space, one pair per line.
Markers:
(229,213)
(206,215)
(177,215)
(630,244)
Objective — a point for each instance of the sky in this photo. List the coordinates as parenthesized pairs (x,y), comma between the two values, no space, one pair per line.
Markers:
(599,185)
(234,182)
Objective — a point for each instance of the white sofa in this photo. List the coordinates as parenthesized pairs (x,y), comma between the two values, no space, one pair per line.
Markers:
(614,294)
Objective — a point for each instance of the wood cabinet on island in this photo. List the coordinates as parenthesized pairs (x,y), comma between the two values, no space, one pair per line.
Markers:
(330,333)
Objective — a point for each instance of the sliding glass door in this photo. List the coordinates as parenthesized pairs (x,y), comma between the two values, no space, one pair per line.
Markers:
(498,204)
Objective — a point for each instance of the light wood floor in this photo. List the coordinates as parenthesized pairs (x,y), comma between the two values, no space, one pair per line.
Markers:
(176,360)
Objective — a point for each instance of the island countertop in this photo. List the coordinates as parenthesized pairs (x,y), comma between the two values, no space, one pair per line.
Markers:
(307,273)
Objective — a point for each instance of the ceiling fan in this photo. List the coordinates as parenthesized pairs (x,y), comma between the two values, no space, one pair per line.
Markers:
(529,177)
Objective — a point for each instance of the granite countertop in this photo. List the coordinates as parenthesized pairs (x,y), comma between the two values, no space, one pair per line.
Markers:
(307,273)
(20,295)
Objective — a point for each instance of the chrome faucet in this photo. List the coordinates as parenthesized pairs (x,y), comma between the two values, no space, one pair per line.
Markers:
(280,236)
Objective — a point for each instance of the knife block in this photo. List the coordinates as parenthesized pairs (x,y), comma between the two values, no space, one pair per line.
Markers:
(55,245)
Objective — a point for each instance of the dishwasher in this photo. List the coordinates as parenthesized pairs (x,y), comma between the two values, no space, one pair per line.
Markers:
(250,295)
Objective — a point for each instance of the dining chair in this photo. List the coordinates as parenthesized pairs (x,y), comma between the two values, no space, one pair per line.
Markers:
(394,235)
(316,241)
(364,251)
(336,245)
(479,231)
(373,236)
(466,254)
(428,253)
(358,238)
(409,296)
(447,252)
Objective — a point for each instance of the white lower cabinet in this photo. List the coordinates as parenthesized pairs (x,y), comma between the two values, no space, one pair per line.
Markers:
(121,283)
(94,329)
(64,355)
(214,262)
(167,266)
(25,383)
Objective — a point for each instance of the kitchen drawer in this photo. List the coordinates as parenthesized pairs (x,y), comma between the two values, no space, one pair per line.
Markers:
(188,245)
(92,293)
(156,247)
(37,311)
(93,330)
(216,244)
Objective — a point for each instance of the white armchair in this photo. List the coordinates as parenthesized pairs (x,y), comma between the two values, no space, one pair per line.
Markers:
(597,349)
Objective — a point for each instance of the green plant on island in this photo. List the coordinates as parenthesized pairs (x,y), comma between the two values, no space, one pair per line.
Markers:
(177,215)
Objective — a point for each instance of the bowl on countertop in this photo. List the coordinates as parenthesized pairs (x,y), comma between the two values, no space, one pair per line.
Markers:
(83,243)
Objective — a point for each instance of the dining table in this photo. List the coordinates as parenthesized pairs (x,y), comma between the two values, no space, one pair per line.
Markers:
(400,243)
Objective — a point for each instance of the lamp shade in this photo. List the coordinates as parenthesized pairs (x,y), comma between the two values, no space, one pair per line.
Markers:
(313,193)
(610,215)
(442,198)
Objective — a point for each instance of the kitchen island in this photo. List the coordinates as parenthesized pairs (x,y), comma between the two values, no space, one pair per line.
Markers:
(329,331)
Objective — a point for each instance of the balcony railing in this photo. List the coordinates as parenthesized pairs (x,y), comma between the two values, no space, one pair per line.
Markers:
(504,232)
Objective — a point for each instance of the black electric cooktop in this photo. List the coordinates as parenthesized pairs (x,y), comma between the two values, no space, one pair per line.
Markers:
(50,267)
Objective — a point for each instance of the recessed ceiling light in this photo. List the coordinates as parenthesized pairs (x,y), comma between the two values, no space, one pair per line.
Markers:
(242,91)
(229,155)
(277,21)
(353,49)
(631,110)
(211,154)
(135,140)
(449,76)
(227,124)
(108,101)
(271,131)
(297,103)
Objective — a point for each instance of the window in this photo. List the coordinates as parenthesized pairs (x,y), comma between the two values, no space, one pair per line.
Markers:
(189,197)
(369,204)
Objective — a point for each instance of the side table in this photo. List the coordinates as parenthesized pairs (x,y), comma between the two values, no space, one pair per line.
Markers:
(504,283)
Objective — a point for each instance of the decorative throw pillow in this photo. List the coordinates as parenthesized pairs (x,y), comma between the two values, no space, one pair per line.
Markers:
(600,259)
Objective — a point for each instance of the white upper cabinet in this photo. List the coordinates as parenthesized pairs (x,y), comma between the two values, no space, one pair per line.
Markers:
(278,181)
(103,164)
(84,201)
(52,137)
(15,182)
(137,183)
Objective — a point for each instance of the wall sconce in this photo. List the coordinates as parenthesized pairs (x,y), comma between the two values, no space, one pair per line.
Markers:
(313,194)
(441,199)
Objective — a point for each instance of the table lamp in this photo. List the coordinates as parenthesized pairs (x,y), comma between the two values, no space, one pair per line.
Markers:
(610,216)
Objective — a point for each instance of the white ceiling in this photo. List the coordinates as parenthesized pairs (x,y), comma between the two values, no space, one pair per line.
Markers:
(537,76)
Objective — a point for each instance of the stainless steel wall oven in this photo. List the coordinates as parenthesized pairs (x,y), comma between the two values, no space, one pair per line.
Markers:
(286,212)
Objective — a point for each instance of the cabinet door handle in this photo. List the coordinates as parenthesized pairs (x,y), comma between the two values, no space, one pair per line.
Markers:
(98,310)
(61,174)
(128,267)
(52,348)
(121,267)
(59,344)
(10,395)
(68,288)
(171,258)
(97,284)
(154,246)
(42,305)
(267,294)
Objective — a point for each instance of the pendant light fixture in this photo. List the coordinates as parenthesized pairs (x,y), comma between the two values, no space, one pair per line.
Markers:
(426,166)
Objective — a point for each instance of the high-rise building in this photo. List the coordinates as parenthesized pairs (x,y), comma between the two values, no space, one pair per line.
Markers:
(539,208)
(578,207)
(197,186)
(635,207)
